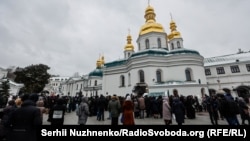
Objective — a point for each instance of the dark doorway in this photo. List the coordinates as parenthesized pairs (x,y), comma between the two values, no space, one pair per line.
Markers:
(140,89)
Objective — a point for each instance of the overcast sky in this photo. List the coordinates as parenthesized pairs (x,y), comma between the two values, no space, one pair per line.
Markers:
(70,35)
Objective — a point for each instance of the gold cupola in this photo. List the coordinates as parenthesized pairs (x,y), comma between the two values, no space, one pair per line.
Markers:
(99,63)
(150,24)
(102,60)
(129,46)
(174,33)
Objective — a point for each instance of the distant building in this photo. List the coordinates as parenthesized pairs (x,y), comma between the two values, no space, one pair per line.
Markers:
(54,85)
(229,72)
(14,87)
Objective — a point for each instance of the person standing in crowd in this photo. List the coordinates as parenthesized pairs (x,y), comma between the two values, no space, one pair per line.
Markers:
(40,105)
(166,111)
(18,102)
(58,112)
(101,103)
(244,111)
(141,102)
(83,111)
(128,111)
(230,109)
(136,107)
(190,107)
(159,102)
(148,106)
(114,107)
(4,129)
(178,109)
(24,120)
(212,108)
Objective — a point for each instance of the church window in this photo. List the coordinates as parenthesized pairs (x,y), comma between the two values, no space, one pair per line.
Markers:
(141,75)
(158,76)
(95,82)
(122,81)
(188,75)
(159,42)
(147,43)
(178,44)
(172,46)
(129,79)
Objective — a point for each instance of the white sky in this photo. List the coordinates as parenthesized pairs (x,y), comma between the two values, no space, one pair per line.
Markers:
(70,35)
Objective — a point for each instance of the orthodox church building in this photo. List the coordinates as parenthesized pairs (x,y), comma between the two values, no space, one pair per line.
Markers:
(161,65)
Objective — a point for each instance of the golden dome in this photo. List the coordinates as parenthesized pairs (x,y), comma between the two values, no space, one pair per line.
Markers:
(102,60)
(150,24)
(174,33)
(129,46)
(98,63)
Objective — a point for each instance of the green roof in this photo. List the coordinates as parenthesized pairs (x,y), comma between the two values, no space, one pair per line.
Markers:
(184,51)
(156,52)
(96,72)
(151,52)
(115,63)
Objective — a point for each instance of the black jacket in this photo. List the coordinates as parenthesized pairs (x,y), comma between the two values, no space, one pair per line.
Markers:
(24,122)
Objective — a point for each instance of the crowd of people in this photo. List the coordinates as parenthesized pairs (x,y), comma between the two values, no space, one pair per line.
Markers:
(23,114)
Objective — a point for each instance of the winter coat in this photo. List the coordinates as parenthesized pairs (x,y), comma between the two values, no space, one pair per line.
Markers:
(114,107)
(83,111)
(166,109)
(128,112)
(178,109)
(23,122)
(141,102)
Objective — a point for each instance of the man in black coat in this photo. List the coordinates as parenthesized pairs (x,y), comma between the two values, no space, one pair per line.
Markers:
(24,121)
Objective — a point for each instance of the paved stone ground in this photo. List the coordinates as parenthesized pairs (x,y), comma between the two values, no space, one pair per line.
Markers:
(202,118)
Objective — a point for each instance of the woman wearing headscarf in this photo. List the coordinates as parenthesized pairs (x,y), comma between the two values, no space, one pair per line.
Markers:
(128,111)
(166,111)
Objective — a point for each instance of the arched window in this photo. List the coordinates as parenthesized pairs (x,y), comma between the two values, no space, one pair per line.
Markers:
(147,43)
(159,42)
(129,79)
(95,82)
(158,76)
(141,76)
(172,46)
(188,75)
(178,44)
(122,81)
